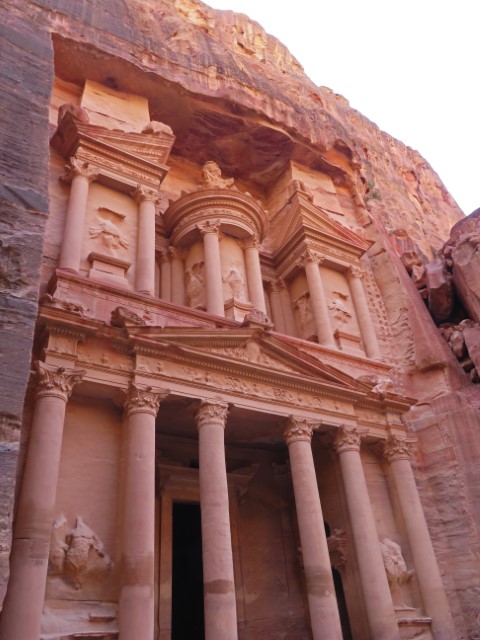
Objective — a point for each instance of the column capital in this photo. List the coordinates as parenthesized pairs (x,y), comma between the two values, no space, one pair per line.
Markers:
(56,382)
(398,448)
(176,253)
(354,271)
(310,255)
(143,194)
(164,254)
(278,285)
(76,167)
(144,400)
(209,226)
(253,242)
(298,430)
(211,411)
(347,438)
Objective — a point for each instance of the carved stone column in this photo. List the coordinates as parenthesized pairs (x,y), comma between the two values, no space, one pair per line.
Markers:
(218,579)
(376,591)
(145,265)
(178,275)
(322,602)
(276,304)
(22,610)
(79,174)
(136,604)
(362,312)
(310,262)
(397,452)
(213,268)
(254,275)
(288,317)
(165,277)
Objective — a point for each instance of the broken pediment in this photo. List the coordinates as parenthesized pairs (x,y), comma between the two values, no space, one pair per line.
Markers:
(127,158)
(302,220)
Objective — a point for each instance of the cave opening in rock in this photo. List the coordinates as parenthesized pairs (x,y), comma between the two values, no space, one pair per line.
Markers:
(187,578)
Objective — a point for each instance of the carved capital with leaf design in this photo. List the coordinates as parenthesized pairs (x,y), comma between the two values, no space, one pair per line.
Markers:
(211,411)
(210,226)
(253,242)
(278,285)
(143,194)
(144,400)
(354,271)
(398,448)
(56,382)
(347,438)
(298,430)
(309,255)
(76,167)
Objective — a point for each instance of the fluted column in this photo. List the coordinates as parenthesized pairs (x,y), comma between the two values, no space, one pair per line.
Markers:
(254,275)
(22,610)
(373,578)
(324,617)
(79,174)
(136,604)
(178,275)
(398,451)
(165,277)
(213,268)
(362,312)
(310,262)
(218,579)
(276,304)
(145,264)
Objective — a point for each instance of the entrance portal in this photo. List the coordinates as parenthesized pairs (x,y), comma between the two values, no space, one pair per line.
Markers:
(187,573)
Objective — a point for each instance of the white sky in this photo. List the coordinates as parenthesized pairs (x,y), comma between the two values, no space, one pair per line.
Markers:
(410,66)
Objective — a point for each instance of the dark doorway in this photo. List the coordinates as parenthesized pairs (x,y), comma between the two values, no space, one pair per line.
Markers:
(187,578)
(342,605)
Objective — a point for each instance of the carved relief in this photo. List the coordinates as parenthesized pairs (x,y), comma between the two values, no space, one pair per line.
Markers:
(76,167)
(305,315)
(109,235)
(123,317)
(398,448)
(144,400)
(157,128)
(337,548)
(211,411)
(395,565)
(339,309)
(195,286)
(298,430)
(76,111)
(347,438)
(77,554)
(234,279)
(212,177)
(57,382)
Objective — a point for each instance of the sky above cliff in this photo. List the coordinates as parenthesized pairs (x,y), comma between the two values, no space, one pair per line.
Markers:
(411,67)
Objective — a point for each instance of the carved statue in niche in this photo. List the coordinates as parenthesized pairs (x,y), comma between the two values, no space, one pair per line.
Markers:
(234,279)
(77,554)
(195,285)
(341,312)
(109,234)
(395,565)
(212,177)
(305,315)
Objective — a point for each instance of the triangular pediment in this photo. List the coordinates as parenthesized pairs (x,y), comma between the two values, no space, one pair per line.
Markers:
(249,351)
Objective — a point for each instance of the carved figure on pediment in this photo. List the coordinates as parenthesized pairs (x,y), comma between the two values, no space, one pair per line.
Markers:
(234,279)
(109,234)
(195,286)
(77,554)
(212,177)
(157,128)
(395,565)
(76,111)
(299,186)
(337,548)
(341,312)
